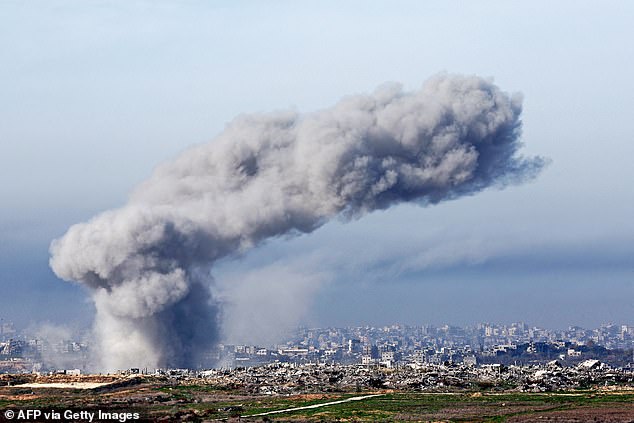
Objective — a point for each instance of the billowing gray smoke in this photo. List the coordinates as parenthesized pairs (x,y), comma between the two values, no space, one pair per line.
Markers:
(148,263)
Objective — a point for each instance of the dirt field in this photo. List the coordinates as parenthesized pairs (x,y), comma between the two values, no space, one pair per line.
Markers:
(163,399)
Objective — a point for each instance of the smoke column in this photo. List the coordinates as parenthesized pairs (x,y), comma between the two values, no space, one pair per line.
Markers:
(148,263)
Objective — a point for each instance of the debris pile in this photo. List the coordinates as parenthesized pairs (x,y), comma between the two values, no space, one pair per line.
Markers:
(285,378)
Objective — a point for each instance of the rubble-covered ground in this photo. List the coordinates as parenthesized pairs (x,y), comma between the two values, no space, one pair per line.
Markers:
(283,378)
(588,392)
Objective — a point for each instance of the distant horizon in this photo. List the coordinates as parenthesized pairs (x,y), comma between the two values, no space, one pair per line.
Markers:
(438,325)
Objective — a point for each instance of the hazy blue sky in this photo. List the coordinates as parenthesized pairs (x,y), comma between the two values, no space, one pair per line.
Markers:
(94,94)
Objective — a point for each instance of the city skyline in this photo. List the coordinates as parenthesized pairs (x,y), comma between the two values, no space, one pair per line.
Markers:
(518,343)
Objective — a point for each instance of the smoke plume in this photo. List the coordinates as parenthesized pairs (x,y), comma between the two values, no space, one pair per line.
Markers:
(148,263)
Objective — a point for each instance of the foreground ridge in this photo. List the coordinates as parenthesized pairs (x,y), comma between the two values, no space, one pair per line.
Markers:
(334,392)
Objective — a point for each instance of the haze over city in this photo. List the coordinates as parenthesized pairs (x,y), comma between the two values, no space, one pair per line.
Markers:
(96,95)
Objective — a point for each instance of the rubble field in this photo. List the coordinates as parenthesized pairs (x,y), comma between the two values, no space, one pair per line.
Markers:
(430,393)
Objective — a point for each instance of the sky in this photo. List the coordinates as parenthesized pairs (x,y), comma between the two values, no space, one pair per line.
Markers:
(95,94)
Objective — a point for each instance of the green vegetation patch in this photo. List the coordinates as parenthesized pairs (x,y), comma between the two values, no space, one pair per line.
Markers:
(448,407)
(204,402)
